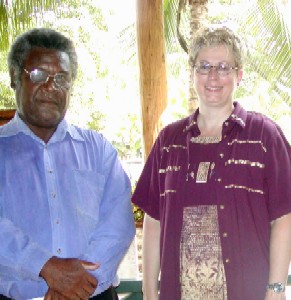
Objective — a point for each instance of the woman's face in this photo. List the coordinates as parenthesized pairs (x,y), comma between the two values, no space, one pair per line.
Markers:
(214,89)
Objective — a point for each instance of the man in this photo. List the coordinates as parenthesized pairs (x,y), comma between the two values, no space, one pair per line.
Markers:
(65,212)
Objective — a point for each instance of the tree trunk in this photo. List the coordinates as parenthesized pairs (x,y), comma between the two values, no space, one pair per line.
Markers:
(151,55)
(198,15)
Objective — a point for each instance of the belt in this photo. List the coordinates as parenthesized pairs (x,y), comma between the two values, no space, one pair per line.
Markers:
(109,294)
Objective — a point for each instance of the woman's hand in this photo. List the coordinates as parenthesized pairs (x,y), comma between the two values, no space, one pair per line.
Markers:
(270,295)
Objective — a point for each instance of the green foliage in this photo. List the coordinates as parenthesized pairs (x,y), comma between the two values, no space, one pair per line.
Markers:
(7,94)
(127,141)
(97,121)
(268,51)
(107,73)
(107,61)
(265,26)
(18,15)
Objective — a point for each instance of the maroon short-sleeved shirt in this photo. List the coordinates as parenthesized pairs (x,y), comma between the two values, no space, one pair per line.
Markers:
(248,184)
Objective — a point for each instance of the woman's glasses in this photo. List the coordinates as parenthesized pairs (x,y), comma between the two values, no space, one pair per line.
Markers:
(222,68)
(62,80)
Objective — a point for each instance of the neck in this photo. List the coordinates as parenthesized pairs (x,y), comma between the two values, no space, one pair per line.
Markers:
(210,120)
(44,133)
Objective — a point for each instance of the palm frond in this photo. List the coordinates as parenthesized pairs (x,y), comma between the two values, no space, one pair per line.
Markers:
(18,15)
(170,22)
(269,49)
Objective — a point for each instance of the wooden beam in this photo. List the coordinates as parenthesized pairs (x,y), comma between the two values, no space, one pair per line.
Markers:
(6,115)
(152,64)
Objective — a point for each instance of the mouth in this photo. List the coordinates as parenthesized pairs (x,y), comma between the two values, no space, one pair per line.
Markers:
(213,88)
(48,102)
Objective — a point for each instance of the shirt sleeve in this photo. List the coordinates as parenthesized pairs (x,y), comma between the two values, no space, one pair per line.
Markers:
(278,175)
(115,228)
(147,191)
(20,254)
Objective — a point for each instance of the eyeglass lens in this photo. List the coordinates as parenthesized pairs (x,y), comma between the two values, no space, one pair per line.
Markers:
(41,76)
(222,68)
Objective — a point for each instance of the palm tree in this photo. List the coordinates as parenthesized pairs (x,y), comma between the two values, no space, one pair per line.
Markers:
(270,52)
(263,24)
(269,56)
(17,15)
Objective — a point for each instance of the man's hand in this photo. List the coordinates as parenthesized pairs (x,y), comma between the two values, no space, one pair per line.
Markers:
(68,278)
(52,295)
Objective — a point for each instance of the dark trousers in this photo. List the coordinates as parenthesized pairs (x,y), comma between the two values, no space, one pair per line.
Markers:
(109,294)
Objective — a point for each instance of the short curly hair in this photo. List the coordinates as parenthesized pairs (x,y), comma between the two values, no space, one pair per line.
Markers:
(43,38)
(207,37)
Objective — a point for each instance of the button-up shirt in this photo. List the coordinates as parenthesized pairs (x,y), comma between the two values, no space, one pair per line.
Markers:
(69,197)
(249,184)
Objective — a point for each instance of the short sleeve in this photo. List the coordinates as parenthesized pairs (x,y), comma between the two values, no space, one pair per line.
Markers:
(147,191)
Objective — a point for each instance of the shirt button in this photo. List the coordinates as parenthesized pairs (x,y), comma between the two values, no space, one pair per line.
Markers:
(221,206)
(218,179)
(225,234)
(59,251)
(227,260)
(53,195)
(50,171)
(57,222)
(221,155)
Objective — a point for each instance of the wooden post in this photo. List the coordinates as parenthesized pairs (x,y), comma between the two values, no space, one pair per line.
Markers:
(6,115)
(152,64)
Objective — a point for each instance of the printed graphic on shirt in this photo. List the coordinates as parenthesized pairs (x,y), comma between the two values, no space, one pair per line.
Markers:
(202,273)
(202,172)
(206,139)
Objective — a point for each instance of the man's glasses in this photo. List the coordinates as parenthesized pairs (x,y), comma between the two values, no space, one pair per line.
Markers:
(62,80)
(222,68)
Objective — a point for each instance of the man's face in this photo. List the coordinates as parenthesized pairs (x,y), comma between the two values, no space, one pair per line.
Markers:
(42,106)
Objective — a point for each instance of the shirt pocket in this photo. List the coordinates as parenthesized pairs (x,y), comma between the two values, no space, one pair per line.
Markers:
(89,189)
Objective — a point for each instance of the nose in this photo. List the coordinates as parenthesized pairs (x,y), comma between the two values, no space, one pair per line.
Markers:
(213,72)
(50,83)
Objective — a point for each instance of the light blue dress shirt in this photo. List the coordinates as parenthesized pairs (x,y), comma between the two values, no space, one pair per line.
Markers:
(67,198)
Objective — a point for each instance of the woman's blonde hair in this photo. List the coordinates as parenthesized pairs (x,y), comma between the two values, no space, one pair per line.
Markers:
(207,37)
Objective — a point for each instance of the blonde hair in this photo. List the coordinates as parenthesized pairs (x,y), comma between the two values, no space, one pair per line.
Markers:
(207,37)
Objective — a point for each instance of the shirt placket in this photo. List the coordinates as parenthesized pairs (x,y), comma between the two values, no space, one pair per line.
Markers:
(223,203)
(53,200)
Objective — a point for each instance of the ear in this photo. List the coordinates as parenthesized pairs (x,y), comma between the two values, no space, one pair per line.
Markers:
(12,78)
(239,76)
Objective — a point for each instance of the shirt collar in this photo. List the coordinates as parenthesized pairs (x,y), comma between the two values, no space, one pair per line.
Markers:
(238,115)
(16,126)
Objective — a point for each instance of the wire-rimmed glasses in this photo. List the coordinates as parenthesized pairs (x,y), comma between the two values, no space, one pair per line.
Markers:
(222,68)
(62,80)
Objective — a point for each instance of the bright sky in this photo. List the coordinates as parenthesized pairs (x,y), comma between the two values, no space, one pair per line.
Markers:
(123,10)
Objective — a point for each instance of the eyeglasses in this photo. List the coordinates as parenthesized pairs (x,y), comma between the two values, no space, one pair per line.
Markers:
(223,68)
(62,80)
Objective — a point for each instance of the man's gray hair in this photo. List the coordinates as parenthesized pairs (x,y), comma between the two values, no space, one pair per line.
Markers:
(40,38)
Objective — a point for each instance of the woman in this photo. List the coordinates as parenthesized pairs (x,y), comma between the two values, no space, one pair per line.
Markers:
(216,191)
